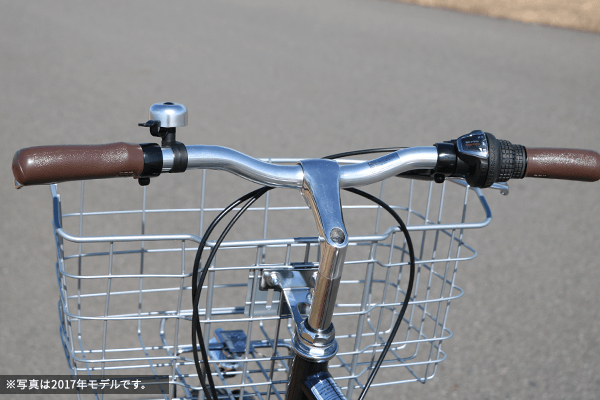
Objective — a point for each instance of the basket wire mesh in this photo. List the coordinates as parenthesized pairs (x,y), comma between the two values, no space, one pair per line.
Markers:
(124,273)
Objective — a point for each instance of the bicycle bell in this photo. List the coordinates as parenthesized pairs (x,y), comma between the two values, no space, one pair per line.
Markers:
(170,115)
(164,118)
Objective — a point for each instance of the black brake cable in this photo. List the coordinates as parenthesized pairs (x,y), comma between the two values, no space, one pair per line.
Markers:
(411,280)
(411,251)
(361,152)
(198,282)
(195,320)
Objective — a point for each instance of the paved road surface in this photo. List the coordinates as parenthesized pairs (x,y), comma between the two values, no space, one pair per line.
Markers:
(313,78)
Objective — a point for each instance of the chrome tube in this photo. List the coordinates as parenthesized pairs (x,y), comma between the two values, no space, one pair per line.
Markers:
(291,176)
(217,157)
(168,158)
(387,166)
(321,191)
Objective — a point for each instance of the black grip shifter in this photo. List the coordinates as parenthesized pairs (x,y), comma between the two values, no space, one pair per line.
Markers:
(513,160)
(481,159)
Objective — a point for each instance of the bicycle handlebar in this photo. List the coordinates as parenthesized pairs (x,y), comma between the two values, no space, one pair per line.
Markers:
(216,157)
(478,157)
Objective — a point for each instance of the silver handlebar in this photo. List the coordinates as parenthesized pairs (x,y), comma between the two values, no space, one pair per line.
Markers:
(292,176)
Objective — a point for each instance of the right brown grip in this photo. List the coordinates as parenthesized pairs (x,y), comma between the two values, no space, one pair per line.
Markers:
(51,164)
(572,164)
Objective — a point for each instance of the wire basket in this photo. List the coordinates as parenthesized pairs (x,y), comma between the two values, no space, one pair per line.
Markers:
(125,256)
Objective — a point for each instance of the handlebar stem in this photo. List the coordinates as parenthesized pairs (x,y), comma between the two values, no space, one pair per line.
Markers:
(321,190)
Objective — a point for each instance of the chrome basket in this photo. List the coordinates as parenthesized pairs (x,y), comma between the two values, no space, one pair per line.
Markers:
(125,256)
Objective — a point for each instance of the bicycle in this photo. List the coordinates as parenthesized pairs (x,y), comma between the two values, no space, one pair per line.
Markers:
(295,279)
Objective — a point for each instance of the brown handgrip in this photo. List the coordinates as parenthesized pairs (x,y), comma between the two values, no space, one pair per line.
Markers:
(572,164)
(51,164)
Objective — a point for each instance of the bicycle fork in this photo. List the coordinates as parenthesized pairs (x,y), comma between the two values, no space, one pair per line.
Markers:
(314,337)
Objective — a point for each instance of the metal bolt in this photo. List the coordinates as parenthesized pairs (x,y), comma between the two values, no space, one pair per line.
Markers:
(274,278)
(337,235)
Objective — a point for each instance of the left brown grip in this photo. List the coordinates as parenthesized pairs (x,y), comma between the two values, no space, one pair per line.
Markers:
(52,164)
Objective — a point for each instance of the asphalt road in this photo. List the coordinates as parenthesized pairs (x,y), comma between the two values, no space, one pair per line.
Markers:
(305,79)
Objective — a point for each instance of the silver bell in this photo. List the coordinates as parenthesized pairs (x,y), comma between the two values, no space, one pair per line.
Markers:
(170,115)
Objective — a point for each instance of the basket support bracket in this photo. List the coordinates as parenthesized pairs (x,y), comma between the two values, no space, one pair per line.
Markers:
(296,286)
